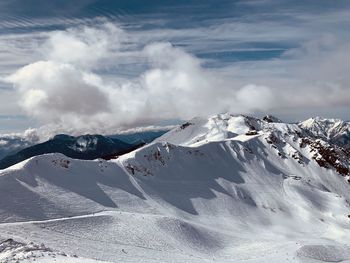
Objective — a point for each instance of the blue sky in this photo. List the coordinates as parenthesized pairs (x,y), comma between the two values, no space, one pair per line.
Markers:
(288,58)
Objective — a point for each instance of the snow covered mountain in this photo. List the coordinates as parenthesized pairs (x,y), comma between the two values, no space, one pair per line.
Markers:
(333,130)
(10,144)
(85,147)
(230,188)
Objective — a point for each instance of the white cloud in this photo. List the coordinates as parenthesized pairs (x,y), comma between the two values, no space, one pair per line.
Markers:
(31,135)
(253,97)
(320,73)
(84,46)
(53,91)
(68,91)
(64,91)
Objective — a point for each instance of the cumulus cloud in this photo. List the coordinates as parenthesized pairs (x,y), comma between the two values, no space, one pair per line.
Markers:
(31,135)
(68,91)
(64,89)
(52,91)
(84,46)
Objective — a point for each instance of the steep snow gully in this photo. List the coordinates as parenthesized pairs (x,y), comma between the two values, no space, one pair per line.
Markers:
(230,188)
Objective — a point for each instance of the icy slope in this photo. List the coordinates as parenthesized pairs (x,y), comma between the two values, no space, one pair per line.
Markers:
(225,189)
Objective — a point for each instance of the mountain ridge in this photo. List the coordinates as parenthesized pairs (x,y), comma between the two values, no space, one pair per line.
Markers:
(85,147)
(229,188)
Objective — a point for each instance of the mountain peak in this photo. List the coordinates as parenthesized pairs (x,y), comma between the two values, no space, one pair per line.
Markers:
(257,178)
(324,141)
(271,119)
(335,131)
(218,127)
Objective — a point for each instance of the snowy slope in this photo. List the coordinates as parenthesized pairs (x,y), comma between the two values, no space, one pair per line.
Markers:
(223,189)
(326,128)
(334,130)
(13,251)
(14,149)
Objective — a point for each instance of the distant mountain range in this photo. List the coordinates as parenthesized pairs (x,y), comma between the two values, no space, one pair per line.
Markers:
(11,144)
(85,147)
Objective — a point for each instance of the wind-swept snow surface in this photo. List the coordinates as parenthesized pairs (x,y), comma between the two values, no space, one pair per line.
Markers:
(223,189)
